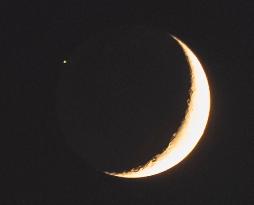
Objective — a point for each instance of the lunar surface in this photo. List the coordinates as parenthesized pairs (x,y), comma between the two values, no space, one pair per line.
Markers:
(131,101)
(192,127)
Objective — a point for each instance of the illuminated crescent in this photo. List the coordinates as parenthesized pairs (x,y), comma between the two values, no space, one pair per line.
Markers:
(191,129)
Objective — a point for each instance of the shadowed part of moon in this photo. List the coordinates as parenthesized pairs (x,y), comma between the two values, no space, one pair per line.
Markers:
(121,97)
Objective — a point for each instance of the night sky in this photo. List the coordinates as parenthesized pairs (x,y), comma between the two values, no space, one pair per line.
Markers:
(119,98)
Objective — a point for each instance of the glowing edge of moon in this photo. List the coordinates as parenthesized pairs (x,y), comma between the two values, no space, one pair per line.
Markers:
(191,129)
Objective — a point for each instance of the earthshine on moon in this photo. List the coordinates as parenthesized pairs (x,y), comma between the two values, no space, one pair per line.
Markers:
(191,129)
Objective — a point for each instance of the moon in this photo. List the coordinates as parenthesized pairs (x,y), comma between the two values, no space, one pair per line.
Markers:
(191,129)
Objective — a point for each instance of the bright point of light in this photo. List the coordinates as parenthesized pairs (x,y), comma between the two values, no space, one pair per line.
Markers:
(64,61)
(191,130)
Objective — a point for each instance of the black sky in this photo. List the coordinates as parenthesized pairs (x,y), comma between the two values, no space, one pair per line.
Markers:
(37,167)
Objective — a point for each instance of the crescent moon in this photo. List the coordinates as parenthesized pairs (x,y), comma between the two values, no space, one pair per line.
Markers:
(191,129)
